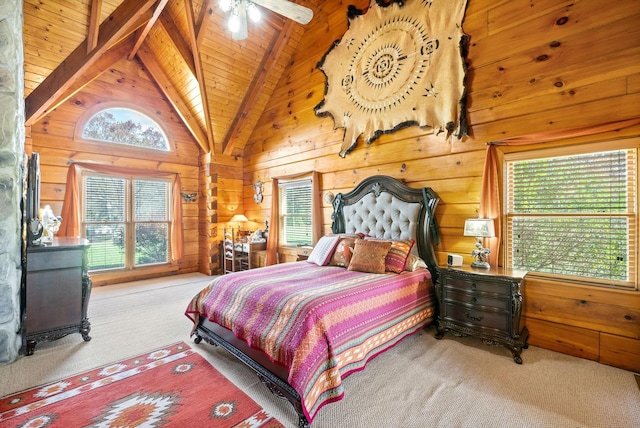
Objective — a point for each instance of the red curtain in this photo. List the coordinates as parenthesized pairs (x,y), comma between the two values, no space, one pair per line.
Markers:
(70,214)
(274,220)
(490,206)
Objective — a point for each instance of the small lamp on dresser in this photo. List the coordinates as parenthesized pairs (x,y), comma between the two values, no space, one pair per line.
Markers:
(480,228)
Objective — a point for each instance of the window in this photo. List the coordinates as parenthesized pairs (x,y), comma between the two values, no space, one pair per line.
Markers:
(296,214)
(127,221)
(125,126)
(573,214)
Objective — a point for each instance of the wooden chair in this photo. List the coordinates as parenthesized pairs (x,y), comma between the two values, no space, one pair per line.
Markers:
(235,258)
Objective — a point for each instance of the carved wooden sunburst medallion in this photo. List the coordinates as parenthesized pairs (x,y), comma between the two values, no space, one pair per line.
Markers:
(399,64)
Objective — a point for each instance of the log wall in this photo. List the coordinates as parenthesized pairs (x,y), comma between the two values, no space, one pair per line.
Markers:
(129,86)
(533,67)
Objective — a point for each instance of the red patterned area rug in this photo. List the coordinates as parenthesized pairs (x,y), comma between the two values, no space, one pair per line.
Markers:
(171,387)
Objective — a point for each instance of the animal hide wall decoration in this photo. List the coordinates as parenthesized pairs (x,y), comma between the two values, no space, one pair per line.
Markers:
(399,64)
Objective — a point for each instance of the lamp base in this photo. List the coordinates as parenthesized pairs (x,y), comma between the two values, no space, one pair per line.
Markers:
(479,264)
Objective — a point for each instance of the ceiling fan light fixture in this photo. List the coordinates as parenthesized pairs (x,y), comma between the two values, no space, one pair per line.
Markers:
(253,12)
(234,23)
(240,11)
(225,5)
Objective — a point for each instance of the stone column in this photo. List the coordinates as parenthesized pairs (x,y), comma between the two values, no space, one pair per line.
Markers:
(11,173)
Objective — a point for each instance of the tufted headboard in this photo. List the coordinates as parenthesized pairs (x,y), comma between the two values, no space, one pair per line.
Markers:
(383,207)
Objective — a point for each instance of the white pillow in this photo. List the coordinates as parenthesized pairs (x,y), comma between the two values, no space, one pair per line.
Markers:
(414,263)
(323,250)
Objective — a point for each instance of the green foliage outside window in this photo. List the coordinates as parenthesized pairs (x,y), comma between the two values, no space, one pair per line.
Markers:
(118,210)
(573,215)
(296,213)
(124,126)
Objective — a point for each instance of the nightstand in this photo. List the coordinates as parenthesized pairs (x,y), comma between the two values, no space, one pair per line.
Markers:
(304,252)
(485,303)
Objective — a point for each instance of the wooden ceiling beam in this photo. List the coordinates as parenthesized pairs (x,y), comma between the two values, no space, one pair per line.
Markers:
(113,55)
(94,24)
(156,72)
(119,24)
(145,31)
(200,74)
(273,19)
(206,15)
(277,46)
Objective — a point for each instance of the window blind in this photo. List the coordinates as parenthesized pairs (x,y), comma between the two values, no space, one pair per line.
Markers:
(150,199)
(574,215)
(105,206)
(127,221)
(151,215)
(296,212)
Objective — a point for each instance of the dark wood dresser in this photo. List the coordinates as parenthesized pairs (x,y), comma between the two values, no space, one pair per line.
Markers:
(486,303)
(58,288)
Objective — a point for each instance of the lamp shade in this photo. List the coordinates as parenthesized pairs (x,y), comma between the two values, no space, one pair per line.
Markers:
(238,218)
(479,227)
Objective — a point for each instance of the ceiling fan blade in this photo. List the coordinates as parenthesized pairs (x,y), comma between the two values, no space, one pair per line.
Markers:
(243,31)
(288,9)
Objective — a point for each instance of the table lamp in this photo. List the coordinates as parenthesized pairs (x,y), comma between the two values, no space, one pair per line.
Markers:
(480,228)
(239,218)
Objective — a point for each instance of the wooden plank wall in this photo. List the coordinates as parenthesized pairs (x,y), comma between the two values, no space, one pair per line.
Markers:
(533,67)
(127,84)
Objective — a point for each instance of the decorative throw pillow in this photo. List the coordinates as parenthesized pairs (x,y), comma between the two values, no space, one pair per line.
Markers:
(322,251)
(414,263)
(351,235)
(342,254)
(369,256)
(396,259)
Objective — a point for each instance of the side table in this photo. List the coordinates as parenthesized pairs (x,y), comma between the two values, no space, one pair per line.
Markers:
(485,303)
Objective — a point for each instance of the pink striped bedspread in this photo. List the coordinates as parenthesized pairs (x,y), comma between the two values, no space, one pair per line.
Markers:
(320,322)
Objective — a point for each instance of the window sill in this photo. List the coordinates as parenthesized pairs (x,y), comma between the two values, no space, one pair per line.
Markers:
(100,278)
(292,253)
(582,282)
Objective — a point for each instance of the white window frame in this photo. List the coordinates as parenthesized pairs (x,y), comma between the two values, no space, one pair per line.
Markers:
(129,222)
(283,186)
(631,215)
(123,147)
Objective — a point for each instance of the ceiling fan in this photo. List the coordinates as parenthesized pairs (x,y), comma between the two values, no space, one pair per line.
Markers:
(239,10)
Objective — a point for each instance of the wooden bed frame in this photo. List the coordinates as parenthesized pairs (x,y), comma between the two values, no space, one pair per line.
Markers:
(426,234)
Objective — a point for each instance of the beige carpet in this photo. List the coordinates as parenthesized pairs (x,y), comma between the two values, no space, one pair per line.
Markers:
(454,382)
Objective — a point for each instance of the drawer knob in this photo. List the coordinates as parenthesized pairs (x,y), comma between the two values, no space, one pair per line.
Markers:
(474,300)
(471,317)
(473,286)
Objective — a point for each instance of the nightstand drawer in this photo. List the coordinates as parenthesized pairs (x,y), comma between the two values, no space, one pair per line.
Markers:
(497,320)
(476,284)
(476,299)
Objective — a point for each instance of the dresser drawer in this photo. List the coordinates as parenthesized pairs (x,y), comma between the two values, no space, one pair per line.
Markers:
(476,299)
(497,320)
(39,261)
(476,284)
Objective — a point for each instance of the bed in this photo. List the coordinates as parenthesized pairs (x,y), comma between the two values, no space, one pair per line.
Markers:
(304,326)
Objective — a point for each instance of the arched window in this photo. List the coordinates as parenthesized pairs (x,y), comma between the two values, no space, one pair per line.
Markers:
(125,126)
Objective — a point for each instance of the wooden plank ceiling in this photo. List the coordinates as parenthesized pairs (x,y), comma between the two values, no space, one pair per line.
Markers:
(218,86)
